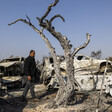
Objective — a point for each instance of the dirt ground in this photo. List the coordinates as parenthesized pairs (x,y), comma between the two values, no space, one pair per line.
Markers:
(82,102)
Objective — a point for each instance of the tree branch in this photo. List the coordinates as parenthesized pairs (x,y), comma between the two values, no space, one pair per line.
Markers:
(56,17)
(26,22)
(47,12)
(83,46)
(28,18)
(48,24)
(41,31)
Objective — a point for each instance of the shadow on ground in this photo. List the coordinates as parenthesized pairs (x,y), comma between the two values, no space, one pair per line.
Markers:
(12,105)
(77,98)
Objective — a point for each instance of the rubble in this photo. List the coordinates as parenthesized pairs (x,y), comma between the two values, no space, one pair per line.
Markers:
(82,102)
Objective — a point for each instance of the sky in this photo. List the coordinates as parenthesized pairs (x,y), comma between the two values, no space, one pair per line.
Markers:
(81,16)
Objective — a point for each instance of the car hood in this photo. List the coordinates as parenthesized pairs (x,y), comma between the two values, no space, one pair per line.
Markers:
(7,64)
(10,79)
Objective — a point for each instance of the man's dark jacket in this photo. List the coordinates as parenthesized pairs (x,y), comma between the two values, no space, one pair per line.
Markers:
(30,67)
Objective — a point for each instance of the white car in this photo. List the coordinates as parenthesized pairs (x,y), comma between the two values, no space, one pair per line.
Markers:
(11,70)
(83,65)
(12,66)
(89,64)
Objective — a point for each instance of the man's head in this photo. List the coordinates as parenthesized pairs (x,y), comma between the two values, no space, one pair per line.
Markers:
(32,53)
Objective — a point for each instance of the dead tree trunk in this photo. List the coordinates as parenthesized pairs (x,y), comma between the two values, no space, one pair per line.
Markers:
(65,88)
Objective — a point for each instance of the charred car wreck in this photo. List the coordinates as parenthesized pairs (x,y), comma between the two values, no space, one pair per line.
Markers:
(11,70)
(88,72)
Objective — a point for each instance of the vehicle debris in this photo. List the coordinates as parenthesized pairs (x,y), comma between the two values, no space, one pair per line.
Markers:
(12,66)
(11,70)
(88,72)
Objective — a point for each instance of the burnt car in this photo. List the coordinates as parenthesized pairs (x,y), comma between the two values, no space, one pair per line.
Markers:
(12,66)
(84,66)
(11,70)
(90,64)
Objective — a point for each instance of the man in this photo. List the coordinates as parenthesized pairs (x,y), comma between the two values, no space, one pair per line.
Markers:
(30,72)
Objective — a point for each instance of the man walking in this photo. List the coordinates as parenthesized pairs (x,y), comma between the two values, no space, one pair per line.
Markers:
(30,72)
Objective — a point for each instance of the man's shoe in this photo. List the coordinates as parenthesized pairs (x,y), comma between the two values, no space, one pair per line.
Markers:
(35,99)
(23,99)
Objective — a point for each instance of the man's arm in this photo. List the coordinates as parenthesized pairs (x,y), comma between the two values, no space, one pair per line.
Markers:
(27,68)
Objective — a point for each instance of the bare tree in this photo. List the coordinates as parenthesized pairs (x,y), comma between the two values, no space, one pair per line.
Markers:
(109,58)
(96,54)
(66,88)
(11,56)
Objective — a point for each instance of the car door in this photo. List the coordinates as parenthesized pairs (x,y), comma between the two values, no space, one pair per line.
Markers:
(82,63)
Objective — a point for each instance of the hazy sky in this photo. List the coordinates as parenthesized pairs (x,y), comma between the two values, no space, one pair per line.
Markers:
(81,16)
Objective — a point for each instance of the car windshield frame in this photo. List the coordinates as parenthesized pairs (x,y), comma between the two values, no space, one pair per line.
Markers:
(10,60)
